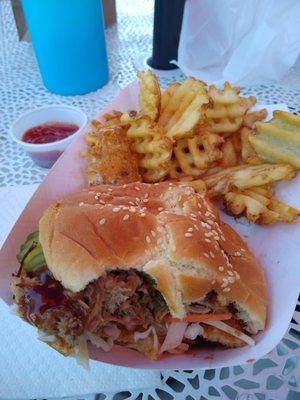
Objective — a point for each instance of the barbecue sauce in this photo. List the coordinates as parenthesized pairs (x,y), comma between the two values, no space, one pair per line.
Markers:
(46,295)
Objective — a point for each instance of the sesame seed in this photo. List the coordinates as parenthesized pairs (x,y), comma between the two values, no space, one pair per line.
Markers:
(124,186)
(194,218)
(237,275)
(212,254)
(126,216)
(238,254)
(225,280)
(109,190)
(142,214)
(196,227)
(190,229)
(132,209)
(148,239)
(230,272)
(145,200)
(187,234)
(207,214)
(230,279)
(101,201)
(222,237)
(203,224)
(137,188)
(102,221)
(199,205)
(137,199)
(226,289)
(131,203)
(116,209)
(208,234)
(81,204)
(193,215)
(153,233)
(206,255)
(160,208)
(213,282)
(216,247)
(146,195)
(209,221)
(207,240)
(221,269)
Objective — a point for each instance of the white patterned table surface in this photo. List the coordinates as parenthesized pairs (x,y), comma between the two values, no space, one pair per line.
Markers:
(129,43)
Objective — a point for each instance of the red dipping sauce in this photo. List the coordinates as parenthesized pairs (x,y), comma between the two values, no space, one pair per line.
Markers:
(49,132)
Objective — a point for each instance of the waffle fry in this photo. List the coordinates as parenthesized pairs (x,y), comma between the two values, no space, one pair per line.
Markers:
(152,146)
(248,153)
(230,156)
(183,109)
(149,95)
(195,154)
(245,177)
(112,160)
(226,109)
(258,206)
(278,140)
(250,118)
(167,94)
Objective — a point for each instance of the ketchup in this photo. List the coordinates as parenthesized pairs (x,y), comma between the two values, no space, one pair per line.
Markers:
(49,132)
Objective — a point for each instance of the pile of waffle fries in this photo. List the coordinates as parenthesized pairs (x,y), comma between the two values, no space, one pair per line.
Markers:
(204,137)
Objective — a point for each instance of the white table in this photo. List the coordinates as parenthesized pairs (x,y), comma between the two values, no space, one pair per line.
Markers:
(129,43)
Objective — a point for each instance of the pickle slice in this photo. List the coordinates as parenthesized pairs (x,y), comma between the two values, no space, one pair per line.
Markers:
(31,253)
(31,240)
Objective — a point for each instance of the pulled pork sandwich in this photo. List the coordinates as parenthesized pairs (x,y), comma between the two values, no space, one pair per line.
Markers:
(150,267)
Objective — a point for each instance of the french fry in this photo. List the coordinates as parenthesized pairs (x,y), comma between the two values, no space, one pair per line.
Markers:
(246,176)
(150,95)
(226,109)
(258,207)
(184,109)
(248,153)
(250,118)
(229,154)
(152,146)
(112,160)
(167,94)
(278,141)
(195,154)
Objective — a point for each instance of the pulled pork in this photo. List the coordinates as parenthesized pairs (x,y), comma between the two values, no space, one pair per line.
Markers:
(117,305)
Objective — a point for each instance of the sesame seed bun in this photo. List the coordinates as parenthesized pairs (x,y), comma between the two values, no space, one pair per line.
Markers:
(165,230)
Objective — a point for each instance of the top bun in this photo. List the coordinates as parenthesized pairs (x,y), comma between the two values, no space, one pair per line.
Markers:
(165,230)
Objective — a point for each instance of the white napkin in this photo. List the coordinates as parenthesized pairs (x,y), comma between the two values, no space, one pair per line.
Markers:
(246,42)
(30,368)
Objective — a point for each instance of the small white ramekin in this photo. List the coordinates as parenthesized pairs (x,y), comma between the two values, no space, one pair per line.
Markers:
(46,154)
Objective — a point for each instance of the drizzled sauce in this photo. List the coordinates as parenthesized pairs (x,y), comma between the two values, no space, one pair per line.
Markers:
(46,295)
(49,132)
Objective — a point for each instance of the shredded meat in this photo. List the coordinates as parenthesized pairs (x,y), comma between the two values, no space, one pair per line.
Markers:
(127,300)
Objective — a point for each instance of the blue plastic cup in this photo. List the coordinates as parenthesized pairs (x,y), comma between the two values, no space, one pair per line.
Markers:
(69,42)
